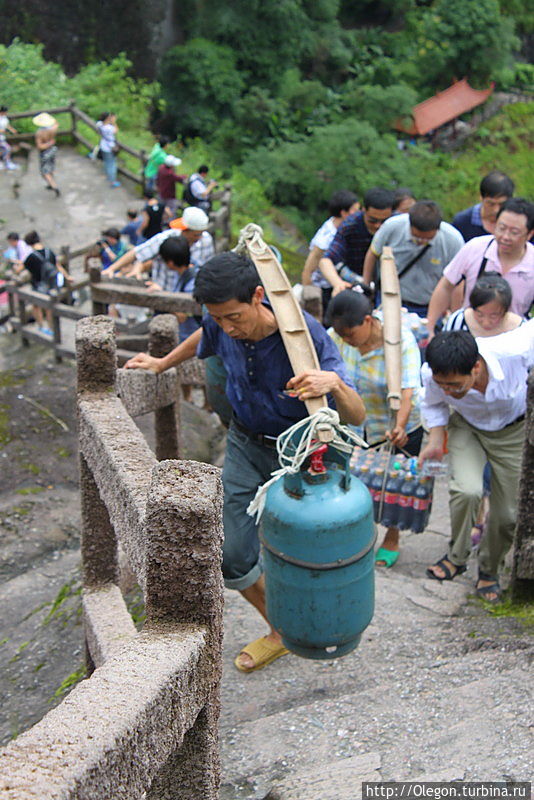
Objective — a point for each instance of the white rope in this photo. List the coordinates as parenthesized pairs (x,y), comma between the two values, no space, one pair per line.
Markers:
(251,233)
(292,457)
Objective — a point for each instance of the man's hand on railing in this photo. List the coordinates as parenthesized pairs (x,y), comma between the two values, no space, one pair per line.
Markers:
(153,287)
(144,361)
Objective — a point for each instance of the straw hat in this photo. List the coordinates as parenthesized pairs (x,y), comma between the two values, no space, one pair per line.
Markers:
(44,120)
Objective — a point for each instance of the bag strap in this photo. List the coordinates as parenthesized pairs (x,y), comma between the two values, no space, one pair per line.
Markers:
(414,260)
(482,267)
(184,278)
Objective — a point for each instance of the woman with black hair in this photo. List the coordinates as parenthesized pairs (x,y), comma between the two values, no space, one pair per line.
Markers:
(358,333)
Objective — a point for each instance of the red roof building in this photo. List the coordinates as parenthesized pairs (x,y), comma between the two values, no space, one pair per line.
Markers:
(443,107)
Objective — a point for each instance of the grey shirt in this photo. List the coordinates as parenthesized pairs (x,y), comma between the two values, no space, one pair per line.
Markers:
(421,279)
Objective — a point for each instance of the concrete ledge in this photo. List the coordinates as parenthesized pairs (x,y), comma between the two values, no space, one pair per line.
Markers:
(143,391)
(108,625)
(113,733)
(121,463)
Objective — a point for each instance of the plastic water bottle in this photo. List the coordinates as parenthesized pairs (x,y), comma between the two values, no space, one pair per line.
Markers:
(434,468)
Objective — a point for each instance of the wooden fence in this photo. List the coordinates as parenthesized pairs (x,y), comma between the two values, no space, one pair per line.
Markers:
(218,219)
(144,724)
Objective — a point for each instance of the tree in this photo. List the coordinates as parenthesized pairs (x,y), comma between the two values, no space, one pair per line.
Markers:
(200,85)
(455,39)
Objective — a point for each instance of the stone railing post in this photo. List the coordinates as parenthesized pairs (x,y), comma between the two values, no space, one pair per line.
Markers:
(523,563)
(162,338)
(184,584)
(95,277)
(97,366)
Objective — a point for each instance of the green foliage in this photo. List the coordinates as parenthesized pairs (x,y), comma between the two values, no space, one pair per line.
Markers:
(455,39)
(346,154)
(108,86)
(200,85)
(267,36)
(383,105)
(28,81)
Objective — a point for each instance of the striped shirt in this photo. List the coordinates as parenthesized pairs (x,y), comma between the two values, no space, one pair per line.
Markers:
(351,242)
(200,252)
(368,373)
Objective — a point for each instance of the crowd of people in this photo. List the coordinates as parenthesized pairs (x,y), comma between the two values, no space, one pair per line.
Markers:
(469,395)
(470,283)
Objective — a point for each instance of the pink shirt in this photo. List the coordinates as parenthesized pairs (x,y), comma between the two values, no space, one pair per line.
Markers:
(466,264)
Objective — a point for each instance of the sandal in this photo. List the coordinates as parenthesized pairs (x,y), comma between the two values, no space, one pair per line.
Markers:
(491,588)
(389,557)
(449,576)
(262,652)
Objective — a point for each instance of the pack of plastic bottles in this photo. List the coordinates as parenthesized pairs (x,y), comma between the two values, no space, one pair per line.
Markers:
(402,496)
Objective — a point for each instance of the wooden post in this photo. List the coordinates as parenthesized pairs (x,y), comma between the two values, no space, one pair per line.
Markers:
(72,107)
(56,328)
(142,154)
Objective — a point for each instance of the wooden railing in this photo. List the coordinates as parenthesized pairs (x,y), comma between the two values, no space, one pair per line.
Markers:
(144,724)
(76,116)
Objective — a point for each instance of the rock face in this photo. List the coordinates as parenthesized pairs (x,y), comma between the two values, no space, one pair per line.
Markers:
(74,32)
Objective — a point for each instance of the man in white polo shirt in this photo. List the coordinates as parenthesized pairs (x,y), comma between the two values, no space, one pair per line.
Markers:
(422,246)
(508,252)
(483,382)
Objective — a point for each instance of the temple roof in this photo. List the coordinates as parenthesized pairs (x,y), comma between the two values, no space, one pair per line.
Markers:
(444,107)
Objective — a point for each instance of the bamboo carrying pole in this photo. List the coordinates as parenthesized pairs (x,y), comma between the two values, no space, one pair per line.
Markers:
(391,307)
(293,329)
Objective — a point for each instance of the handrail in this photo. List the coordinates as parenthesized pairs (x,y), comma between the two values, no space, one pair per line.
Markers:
(146,719)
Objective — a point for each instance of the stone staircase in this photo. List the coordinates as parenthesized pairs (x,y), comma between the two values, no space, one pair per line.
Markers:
(437,690)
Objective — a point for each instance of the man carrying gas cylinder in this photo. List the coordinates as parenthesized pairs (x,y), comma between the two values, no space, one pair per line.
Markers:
(266,398)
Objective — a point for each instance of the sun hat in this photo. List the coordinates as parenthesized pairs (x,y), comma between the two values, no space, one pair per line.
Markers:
(44,120)
(172,161)
(193,219)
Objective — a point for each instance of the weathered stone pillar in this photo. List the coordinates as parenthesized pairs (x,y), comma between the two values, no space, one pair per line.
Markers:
(162,338)
(184,538)
(312,301)
(97,366)
(523,563)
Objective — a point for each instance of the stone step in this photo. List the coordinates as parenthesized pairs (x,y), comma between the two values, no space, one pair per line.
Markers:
(342,780)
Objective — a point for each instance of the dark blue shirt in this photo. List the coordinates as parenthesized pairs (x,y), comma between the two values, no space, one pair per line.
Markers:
(469,223)
(259,371)
(130,230)
(351,243)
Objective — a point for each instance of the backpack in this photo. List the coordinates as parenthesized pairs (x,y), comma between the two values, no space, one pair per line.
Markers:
(49,271)
(188,196)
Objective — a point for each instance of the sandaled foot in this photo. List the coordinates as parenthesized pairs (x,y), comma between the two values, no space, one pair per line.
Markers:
(488,589)
(259,653)
(445,570)
(386,558)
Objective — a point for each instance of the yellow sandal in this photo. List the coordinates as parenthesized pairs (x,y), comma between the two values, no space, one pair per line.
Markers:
(262,651)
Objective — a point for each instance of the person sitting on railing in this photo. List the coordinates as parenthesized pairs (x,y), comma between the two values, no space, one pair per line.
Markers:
(152,215)
(17,250)
(46,273)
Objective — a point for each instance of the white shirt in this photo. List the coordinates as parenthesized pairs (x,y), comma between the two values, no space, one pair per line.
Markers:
(508,358)
(200,252)
(107,142)
(4,122)
(322,238)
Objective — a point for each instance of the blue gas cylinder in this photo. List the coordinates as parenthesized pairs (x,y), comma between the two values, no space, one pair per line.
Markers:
(317,537)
